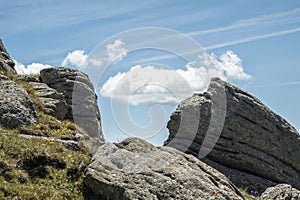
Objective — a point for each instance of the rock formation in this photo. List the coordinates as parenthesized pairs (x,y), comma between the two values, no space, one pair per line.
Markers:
(281,191)
(256,148)
(53,101)
(6,63)
(16,108)
(65,93)
(226,129)
(80,97)
(134,169)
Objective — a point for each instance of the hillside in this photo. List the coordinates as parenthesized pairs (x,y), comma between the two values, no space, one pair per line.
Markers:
(52,146)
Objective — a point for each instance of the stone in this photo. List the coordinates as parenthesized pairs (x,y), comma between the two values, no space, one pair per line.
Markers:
(281,192)
(80,97)
(238,135)
(135,169)
(53,101)
(6,63)
(27,78)
(16,108)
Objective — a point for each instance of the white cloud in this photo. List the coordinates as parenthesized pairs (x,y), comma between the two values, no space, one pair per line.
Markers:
(114,52)
(232,66)
(150,84)
(77,58)
(228,66)
(33,68)
(146,85)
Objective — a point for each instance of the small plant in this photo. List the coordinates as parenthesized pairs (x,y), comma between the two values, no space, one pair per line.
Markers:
(248,196)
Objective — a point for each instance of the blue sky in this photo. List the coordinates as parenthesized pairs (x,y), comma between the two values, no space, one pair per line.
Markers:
(259,37)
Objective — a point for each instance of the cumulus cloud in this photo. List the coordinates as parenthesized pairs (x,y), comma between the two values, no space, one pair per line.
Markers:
(232,66)
(77,58)
(149,84)
(146,85)
(114,52)
(33,68)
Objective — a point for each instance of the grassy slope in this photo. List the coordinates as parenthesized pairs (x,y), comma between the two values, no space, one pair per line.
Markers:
(39,169)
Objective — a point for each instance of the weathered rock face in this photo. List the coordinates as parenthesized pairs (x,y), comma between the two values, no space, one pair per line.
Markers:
(281,191)
(6,63)
(256,148)
(27,78)
(16,108)
(134,169)
(53,101)
(80,97)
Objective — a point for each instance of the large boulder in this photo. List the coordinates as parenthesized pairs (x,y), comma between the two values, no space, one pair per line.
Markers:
(6,63)
(80,97)
(16,108)
(135,169)
(53,101)
(254,147)
(281,192)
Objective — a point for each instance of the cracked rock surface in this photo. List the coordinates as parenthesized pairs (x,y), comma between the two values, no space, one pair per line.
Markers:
(16,108)
(80,97)
(134,169)
(256,147)
(53,101)
(281,191)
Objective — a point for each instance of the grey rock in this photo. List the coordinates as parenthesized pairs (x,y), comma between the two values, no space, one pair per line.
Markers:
(135,169)
(281,192)
(250,183)
(16,108)
(27,78)
(80,97)
(6,63)
(53,101)
(255,149)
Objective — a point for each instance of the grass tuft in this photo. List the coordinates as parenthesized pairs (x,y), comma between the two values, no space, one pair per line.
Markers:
(248,196)
(38,169)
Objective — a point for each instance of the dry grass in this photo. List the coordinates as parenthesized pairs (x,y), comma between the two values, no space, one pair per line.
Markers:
(248,196)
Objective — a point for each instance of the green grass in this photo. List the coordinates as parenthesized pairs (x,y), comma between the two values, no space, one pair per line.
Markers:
(39,106)
(56,174)
(7,74)
(36,168)
(50,127)
(47,125)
